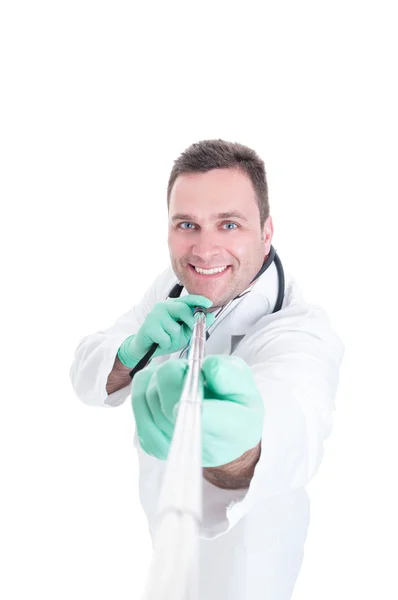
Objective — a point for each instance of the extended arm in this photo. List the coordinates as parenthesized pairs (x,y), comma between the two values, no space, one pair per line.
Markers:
(118,378)
(237,474)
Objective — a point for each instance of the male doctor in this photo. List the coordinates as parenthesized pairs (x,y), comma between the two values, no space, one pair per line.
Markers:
(271,374)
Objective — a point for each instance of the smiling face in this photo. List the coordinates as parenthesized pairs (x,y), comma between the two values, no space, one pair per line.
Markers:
(214,221)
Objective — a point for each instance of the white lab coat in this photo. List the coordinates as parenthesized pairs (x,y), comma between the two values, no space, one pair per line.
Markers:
(251,540)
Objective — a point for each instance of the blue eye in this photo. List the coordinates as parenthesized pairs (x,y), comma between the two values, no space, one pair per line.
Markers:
(187,223)
(231,224)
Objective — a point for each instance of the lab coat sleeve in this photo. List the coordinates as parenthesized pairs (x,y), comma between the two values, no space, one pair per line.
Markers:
(95,355)
(295,357)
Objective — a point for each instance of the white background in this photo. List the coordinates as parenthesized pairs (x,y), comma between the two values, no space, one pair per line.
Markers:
(97,100)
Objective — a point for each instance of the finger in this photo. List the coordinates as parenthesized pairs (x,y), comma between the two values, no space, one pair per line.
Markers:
(170,379)
(229,377)
(152,439)
(170,326)
(195,300)
(185,314)
(140,382)
(159,418)
(225,419)
(152,333)
(179,332)
(228,431)
(182,312)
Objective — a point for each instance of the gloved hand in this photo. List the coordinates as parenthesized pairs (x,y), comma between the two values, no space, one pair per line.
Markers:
(232,415)
(169,324)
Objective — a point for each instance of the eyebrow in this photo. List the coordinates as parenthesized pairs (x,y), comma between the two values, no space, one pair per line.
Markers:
(232,214)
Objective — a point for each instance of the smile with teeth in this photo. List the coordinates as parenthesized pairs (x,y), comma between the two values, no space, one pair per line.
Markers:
(210,271)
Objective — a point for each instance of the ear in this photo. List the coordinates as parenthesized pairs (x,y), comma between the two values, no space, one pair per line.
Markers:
(268,233)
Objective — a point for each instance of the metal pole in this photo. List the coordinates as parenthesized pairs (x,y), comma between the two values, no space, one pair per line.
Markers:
(174,570)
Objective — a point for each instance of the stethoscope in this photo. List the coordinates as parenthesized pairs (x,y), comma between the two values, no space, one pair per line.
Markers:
(175,292)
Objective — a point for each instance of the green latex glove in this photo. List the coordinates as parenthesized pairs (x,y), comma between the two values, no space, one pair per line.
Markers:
(169,324)
(232,415)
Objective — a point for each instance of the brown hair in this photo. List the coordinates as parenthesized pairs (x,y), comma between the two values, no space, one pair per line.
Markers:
(219,154)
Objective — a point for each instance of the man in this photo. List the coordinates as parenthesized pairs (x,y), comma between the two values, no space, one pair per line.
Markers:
(271,372)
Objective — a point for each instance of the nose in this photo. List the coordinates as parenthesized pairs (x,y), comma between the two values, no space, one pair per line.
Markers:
(206,246)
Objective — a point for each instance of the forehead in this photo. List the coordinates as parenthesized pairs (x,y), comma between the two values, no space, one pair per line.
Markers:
(216,191)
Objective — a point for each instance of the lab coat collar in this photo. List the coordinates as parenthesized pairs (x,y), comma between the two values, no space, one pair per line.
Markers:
(244,312)
(260,301)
